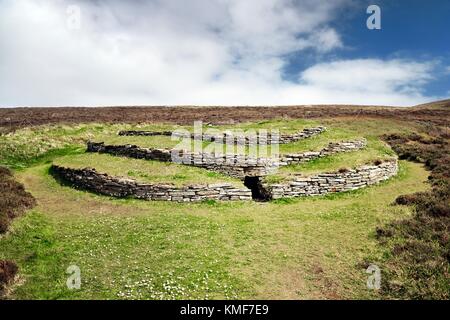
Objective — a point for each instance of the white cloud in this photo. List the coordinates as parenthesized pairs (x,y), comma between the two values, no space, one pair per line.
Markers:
(187,52)
(395,82)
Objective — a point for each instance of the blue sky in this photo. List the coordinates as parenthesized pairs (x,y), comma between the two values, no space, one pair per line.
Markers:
(222,52)
(416,30)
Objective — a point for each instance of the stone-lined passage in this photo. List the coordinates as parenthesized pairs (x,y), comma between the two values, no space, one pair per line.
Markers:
(333,182)
(230,138)
(234,165)
(90,179)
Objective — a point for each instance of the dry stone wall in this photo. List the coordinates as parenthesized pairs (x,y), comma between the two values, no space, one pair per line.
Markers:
(230,138)
(332,148)
(248,168)
(325,183)
(234,165)
(321,184)
(90,179)
(144,133)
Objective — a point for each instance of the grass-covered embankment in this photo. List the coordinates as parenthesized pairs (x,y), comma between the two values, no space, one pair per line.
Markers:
(301,248)
(295,248)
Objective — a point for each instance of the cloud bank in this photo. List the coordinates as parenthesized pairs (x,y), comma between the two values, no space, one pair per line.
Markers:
(213,52)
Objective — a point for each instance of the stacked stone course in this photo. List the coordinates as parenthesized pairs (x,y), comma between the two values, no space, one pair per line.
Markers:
(321,184)
(325,183)
(234,165)
(332,148)
(248,168)
(90,179)
(230,138)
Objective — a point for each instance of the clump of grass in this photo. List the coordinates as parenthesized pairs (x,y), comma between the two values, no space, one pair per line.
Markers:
(210,202)
(273,179)
(283,201)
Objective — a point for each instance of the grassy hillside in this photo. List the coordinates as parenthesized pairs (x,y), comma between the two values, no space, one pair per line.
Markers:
(301,248)
(296,248)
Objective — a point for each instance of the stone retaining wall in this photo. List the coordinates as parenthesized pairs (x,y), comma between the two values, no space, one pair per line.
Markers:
(321,184)
(238,166)
(333,182)
(332,148)
(90,179)
(229,138)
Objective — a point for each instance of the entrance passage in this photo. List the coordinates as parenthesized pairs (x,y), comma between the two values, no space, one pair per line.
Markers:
(255,185)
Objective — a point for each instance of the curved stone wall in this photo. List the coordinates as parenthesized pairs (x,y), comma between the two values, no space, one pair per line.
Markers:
(229,138)
(325,183)
(332,148)
(90,179)
(321,184)
(234,165)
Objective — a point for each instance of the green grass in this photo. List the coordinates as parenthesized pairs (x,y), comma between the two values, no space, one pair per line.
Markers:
(30,146)
(301,248)
(285,249)
(144,170)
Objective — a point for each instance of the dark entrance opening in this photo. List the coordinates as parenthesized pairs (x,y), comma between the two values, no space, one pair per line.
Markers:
(258,191)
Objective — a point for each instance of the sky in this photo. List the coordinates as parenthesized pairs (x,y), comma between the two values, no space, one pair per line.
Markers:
(222,52)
